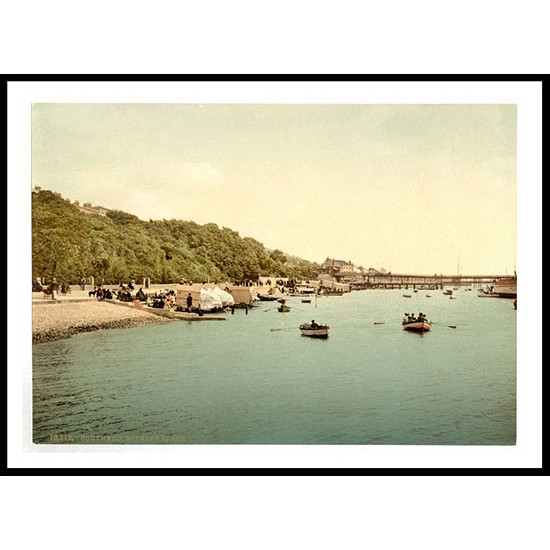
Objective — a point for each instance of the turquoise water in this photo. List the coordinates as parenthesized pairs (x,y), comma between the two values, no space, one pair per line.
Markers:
(239,382)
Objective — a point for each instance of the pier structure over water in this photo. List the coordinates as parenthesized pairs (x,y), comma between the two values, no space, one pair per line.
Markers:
(420,282)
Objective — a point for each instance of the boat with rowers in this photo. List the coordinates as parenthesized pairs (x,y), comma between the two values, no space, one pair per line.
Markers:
(283,308)
(314,330)
(416,324)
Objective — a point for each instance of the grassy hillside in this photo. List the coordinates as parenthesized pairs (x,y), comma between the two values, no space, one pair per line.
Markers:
(69,245)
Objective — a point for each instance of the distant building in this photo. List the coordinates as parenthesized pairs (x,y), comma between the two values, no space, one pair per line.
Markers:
(337,267)
(89,209)
(86,207)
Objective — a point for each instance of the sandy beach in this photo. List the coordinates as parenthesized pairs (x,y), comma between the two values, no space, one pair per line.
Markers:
(54,321)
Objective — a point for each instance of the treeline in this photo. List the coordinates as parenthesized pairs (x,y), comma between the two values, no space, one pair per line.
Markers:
(70,245)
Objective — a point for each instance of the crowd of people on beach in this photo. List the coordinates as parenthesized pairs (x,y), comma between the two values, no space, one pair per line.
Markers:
(165,299)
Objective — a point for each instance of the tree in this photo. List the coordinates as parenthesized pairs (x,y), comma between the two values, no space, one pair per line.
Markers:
(278,257)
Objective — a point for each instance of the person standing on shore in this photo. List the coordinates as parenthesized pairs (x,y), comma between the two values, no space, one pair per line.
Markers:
(189,302)
(55,288)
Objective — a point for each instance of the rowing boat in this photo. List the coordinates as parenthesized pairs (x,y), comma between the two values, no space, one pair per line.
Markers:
(417,325)
(314,330)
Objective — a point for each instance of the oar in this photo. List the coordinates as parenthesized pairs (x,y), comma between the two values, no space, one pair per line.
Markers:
(442,324)
(284,328)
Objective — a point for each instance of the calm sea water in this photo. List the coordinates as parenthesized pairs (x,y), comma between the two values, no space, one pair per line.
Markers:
(239,382)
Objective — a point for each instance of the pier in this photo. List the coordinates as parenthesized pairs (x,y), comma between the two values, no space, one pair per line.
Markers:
(417,282)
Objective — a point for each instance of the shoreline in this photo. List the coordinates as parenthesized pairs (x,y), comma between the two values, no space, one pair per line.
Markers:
(57,321)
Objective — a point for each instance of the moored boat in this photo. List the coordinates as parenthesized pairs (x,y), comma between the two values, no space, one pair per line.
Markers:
(314,330)
(266,298)
(300,290)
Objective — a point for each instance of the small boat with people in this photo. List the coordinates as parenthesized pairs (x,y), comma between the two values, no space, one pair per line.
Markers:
(314,330)
(413,323)
(283,308)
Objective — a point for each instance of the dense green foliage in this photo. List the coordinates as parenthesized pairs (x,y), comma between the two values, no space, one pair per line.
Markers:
(70,245)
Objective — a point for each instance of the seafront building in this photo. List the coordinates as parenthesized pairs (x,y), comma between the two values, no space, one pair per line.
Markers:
(335,267)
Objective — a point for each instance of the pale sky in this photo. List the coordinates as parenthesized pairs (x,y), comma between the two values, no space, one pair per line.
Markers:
(412,188)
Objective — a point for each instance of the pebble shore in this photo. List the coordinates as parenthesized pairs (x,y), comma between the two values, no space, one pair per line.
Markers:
(62,320)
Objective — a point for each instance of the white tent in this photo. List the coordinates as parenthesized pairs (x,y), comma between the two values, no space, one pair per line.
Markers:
(224,296)
(214,298)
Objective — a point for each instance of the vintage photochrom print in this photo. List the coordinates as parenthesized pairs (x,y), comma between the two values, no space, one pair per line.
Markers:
(266,272)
